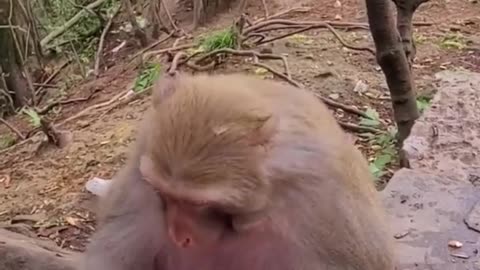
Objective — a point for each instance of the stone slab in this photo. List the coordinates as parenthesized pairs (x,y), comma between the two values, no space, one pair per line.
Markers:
(426,211)
(446,139)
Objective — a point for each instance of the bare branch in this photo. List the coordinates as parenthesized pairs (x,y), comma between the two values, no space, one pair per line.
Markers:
(102,40)
(12,128)
(57,32)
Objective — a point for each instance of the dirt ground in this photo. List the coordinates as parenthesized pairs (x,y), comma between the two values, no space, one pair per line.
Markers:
(43,192)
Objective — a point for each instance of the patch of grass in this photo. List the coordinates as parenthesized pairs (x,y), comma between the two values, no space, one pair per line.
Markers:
(218,40)
(423,102)
(147,76)
(33,117)
(6,140)
(386,151)
(419,38)
(454,41)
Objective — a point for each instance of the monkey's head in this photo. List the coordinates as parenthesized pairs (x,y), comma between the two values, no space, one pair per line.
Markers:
(205,151)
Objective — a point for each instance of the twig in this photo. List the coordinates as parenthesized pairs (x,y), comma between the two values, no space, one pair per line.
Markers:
(52,105)
(57,32)
(48,80)
(320,25)
(169,15)
(344,107)
(176,62)
(171,49)
(154,44)
(250,53)
(357,128)
(265,8)
(98,57)
(12,128)
(276,73)
(139,33)
(260,25)
(281,13)
(96,106)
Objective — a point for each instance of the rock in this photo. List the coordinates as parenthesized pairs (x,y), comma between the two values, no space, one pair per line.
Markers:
(432,209)
(446,138)
(18,252)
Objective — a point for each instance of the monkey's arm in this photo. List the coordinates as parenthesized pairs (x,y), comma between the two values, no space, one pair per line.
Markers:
(130,231)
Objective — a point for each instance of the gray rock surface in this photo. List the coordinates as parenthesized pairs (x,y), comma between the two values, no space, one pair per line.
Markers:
(438,200)
(446,139)
(426,211)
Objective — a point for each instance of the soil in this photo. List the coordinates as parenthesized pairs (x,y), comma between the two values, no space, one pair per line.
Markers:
(42,190)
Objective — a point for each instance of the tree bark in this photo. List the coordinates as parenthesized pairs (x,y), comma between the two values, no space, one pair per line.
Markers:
(405,12)
(10,60)
(394,63)
(18,252)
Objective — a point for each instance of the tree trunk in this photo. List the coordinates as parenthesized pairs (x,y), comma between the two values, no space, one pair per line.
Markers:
(18,252)
(394,63)
(10,60)
(405,11)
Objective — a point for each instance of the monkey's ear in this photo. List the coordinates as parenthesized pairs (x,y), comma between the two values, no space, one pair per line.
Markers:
(263,131)
(258,130)
(165,86)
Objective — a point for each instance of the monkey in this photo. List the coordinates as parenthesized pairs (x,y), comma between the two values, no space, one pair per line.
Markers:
(234,172)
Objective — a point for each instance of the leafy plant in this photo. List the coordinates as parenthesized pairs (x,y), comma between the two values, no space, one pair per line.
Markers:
(147,76)
(218,40)
(419,38)
(423,103)
(387,154)
(6,140)
(454,41)
(34,118)
(373,119)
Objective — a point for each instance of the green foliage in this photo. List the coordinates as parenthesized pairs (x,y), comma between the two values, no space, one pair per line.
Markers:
(147,76)
(454,41)
(373,119)
(6,140)
(387,151)
(423,103)
(419,38)
(53,14)
(218,40)
(34,118)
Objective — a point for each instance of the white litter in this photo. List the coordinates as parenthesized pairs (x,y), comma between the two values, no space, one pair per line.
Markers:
(98,186)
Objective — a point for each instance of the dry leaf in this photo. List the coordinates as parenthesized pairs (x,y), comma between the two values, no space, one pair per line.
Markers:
(455,244)
(72,221)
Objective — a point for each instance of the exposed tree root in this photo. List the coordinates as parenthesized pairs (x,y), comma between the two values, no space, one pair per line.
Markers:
(12,128)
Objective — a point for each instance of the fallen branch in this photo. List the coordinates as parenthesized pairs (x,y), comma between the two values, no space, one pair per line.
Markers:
(171,49)
(52,35)
(154,44)
(280,14)
(52,105)
(320,25)
(256,27)
(48,80)
(344,107)
(250,53)
(98,57)
(96,106)
(12,128)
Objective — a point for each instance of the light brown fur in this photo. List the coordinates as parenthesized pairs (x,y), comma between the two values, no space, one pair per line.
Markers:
(272,156)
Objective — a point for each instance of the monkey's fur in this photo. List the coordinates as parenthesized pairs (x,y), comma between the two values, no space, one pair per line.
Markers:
(271,156)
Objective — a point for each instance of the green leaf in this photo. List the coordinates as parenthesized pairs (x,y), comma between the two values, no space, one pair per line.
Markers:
(369,122)
(382,161)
